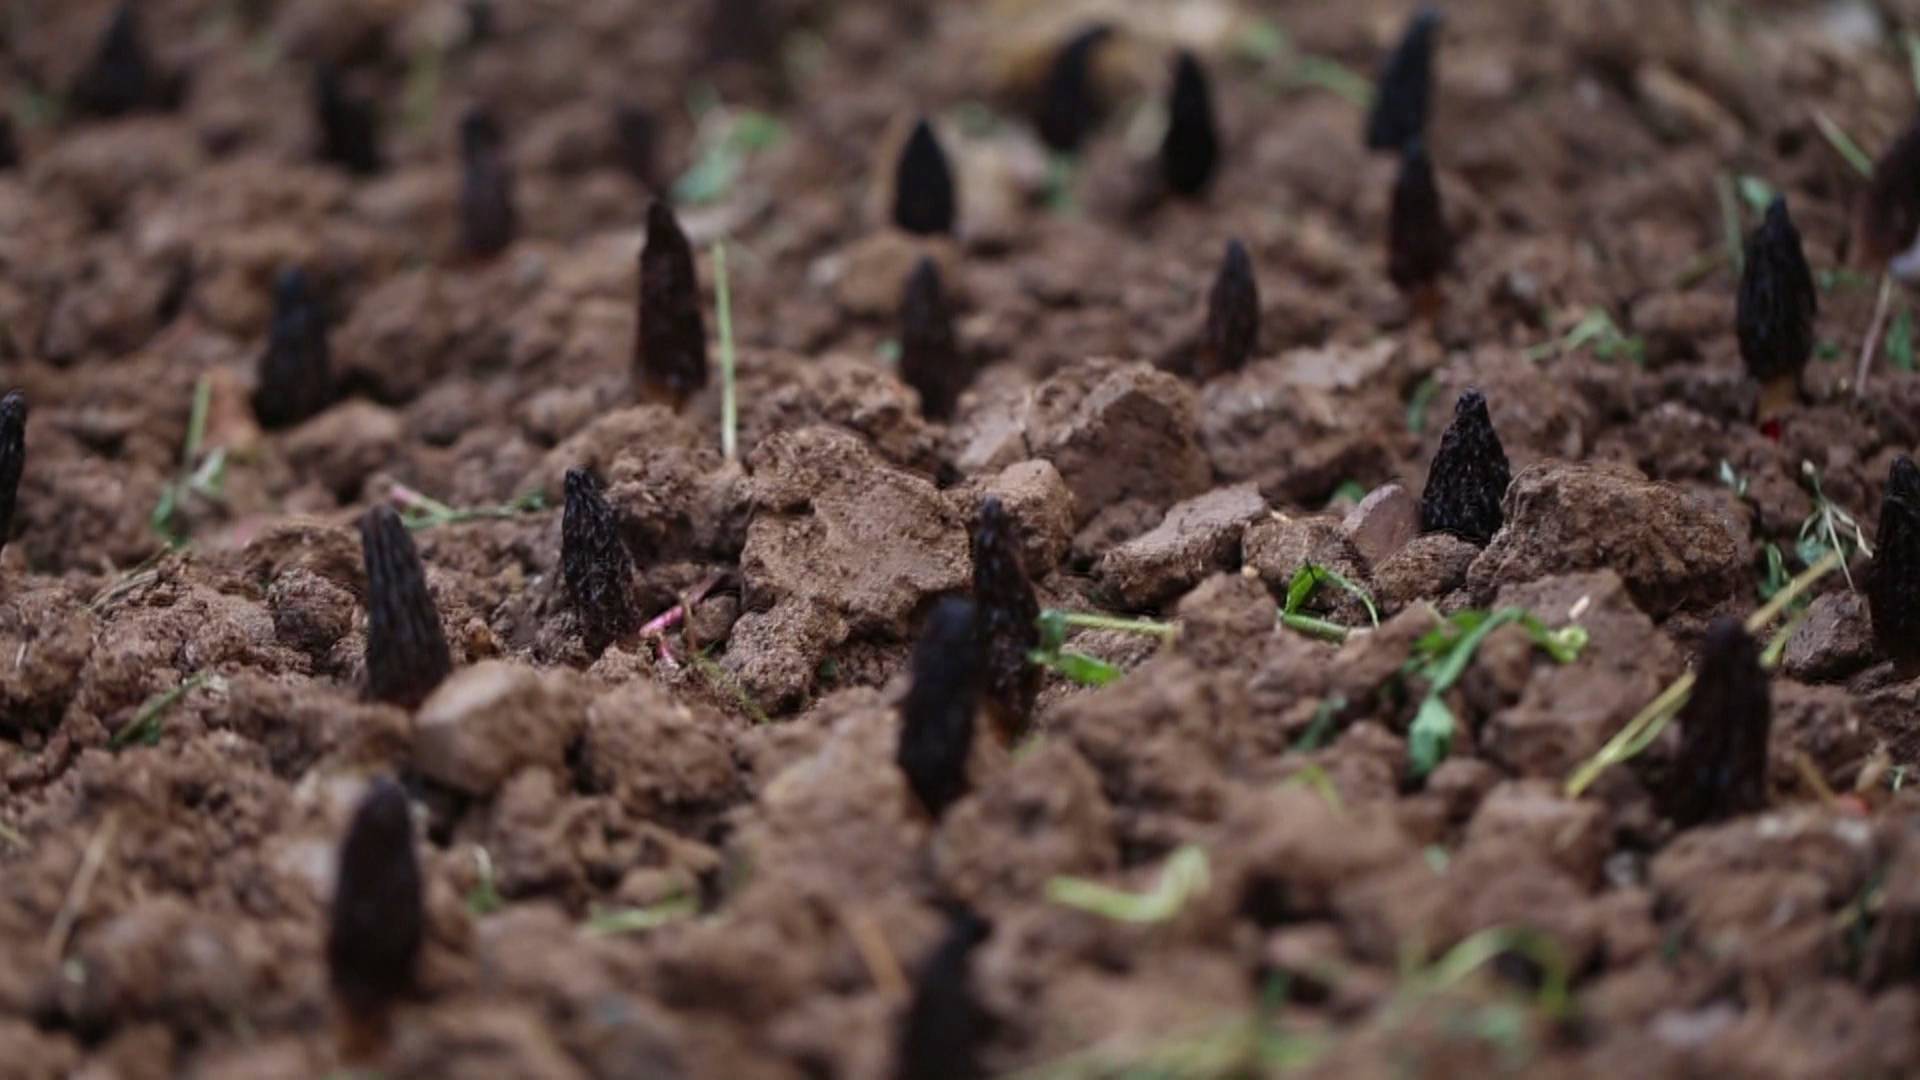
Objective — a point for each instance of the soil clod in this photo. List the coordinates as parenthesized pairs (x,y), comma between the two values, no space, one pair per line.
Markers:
(1419,245)
(923,196)
(1233,314)
(295,372)
(122,77)
(1404,91)
(945,1023)
(937,718)
(670,351)
(930,359)
(1469,475)
(13,457)
(488,220)
(349,126)
(1069,106)
(1190,152)
(596,564)
(379,917)
(1778,301)
(1893,581)
(1721,769)
(407,654)
(1006,613)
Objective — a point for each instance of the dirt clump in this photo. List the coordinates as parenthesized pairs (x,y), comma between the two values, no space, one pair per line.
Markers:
(1672,552)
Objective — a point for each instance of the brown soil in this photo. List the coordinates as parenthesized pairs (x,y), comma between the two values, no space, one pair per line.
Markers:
(163,898)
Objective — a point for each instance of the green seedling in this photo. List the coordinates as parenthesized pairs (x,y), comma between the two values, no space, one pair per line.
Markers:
(484,899)
(1423,395)
(605,922)
(1315,779)
(1843,144)
(144,728)
(723,314)
(1911,42)
(1265,43)
(1553,998)
(1349,491)
(1641,731)
(1441,657)
(723,682)
(1732,227)
(1733,480)
(1777,576)
(1829,529)
(724,140)
(1320,728)
(1841,279)
(1597,329)
(1079,667)
(1900,340)
(420,99)
(1184,876)
(1306,581)
(420,511)
(204,476)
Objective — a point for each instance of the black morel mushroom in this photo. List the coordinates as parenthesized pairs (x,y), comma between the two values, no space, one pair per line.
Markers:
(596,564)
(670,351)
(13,457)
(636,138)
(1778,302)
(407,652)
(1007,614)
(1190,152)
(121,78)
(1405,86)
(936,722)
(923,198)
(1887,220)
(930,359)
(945,1024)
(488,220)
(1893,580)
(1419,247)
(379,918)
(349,127)
(1069,106)
(1721,770)
(296,379)
(1469,475)
(1233,314)
(9,146)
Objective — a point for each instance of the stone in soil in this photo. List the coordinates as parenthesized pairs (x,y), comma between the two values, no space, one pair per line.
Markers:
(494,718)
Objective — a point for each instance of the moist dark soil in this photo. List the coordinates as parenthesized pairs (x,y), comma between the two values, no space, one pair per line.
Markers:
(691,854)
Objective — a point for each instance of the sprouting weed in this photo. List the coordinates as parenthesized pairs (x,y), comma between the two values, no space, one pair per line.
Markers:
(1828,529)
(1441,657)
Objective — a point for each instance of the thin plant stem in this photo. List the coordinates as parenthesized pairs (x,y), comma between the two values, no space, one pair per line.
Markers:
(723,309)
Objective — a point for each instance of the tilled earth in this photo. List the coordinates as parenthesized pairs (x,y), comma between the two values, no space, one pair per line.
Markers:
(692,854)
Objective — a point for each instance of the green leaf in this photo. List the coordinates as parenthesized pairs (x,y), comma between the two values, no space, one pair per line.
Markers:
(1417,404)
(607,921)
(1184,875)
(1053,629)
(1349,490)
(1431,736)
(1308,578)
(1757,193)
(1081,668)
(1900,340)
